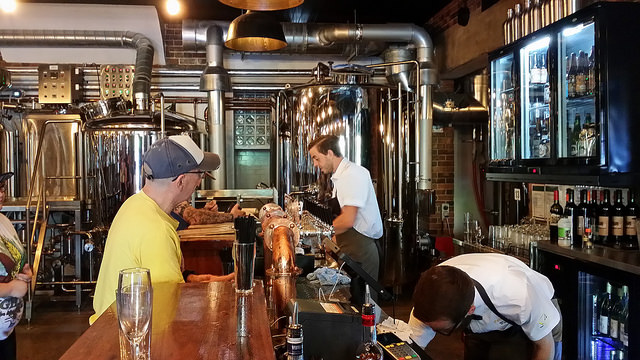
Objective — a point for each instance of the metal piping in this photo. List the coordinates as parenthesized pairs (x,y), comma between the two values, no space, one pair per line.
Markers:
(80,38)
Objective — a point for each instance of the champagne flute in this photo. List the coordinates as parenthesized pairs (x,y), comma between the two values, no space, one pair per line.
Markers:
(134,302)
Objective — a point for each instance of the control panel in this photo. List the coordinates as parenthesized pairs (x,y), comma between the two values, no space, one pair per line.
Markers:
(116,81)
(58,84)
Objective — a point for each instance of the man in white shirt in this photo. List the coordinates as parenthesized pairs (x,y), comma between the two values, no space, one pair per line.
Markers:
(359,224)
(504,306)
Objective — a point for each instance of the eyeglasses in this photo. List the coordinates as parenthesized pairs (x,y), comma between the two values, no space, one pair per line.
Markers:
(201,173)
(462,323)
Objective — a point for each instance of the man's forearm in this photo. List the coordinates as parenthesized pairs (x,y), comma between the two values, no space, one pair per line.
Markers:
(202,216)
(543,349)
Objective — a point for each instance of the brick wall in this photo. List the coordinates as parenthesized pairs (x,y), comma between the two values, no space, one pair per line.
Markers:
(448,16)
(174,52)
(442,179)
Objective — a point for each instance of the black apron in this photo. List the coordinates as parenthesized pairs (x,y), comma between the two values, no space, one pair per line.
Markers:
(362,249)
(510,344)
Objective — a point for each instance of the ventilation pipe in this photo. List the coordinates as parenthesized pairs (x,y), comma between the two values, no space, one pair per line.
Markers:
(331,38)
(79,38)
(215,81)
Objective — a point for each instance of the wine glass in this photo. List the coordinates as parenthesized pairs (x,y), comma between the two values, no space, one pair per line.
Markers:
(134,301)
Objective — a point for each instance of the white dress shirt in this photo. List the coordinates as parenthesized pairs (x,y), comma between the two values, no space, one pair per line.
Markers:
(519,293)
(352,186)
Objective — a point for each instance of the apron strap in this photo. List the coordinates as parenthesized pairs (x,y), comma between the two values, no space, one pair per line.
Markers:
(485,298)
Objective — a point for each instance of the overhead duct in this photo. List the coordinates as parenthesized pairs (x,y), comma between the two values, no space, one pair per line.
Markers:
(327,38)
(215,81)
(79,38)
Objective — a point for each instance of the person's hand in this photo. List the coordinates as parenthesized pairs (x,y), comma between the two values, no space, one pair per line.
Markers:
(26,275)
(18,288)
(211,205)
(236,211)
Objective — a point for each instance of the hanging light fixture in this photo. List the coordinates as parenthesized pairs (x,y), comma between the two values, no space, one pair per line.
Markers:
(262,5)
(255,31)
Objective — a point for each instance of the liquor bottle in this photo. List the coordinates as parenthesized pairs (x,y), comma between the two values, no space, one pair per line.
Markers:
(617,220)
(614,316)
(581,74)
(516,23)
(556,212)
(507,27)
(595,317)
(369,349)
(526,18)
(593,212)
(536,15)
(630,215)
(571,76)
(605,306)
(624,318)
(544,72)
(534,76)
(604,212)
(591,88)
(575,135)
(567,223)
(546,13)
(295,336)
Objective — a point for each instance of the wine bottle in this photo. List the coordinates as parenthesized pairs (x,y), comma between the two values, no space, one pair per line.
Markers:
(614,316)
(631,213)
(624,318)
(369,349)
(604,311)
(567,223)
(604,212)
(582,217)
(581,75)
(556,212)
(575,135)
(593,213)
(617,220)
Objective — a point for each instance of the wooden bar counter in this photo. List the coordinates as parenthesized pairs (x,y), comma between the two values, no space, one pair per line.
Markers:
(190,321)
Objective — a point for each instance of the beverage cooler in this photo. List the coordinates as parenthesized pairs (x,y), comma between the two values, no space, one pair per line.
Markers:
(599,300)
(564,105)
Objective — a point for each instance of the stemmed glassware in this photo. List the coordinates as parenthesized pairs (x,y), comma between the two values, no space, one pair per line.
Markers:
(134,299)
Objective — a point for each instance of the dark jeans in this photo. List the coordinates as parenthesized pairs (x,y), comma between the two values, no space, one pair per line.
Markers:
(511,344)
(8,347)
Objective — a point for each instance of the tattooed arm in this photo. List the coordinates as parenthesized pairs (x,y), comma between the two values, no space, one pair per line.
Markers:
(200,216)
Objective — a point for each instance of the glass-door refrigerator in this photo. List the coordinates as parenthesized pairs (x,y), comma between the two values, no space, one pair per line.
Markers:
(503,103)
(535,95)
(578,126)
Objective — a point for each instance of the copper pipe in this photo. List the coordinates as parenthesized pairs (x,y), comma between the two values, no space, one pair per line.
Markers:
(283,255)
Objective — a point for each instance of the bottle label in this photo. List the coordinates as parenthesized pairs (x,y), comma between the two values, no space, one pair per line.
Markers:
(368,320)
(617,225)
(554,219)
(630,225)
(571,86)
(564,231)
(581,85)
(294,346)
(580,225)
(603,225)
(604,325)
(624,337)
(614,328)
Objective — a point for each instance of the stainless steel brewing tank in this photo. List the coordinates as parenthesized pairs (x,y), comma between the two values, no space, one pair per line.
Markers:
(352,112)
(58,166)
(115,149)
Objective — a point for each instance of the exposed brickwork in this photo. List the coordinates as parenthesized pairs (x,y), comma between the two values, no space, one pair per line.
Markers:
(442,179)
(448,16)
(174,52)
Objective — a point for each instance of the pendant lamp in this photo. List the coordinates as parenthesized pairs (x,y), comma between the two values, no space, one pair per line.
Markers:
(255,31)
(262,5)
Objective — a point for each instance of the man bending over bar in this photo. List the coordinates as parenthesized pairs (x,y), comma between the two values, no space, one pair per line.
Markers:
(142,233)
(504,307)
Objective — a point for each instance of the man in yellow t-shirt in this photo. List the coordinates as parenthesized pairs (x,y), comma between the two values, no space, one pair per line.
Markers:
(143,234)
